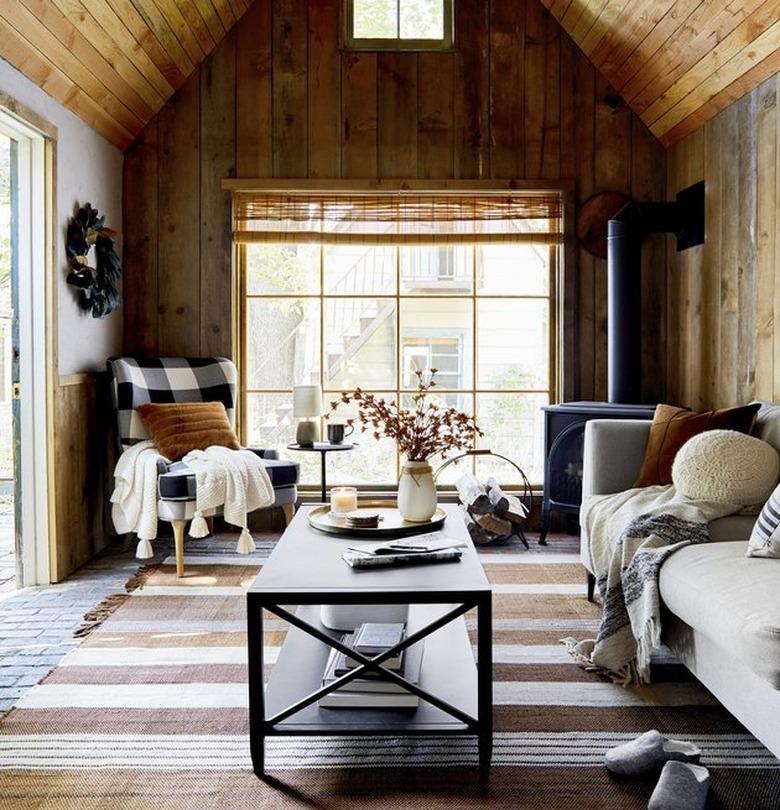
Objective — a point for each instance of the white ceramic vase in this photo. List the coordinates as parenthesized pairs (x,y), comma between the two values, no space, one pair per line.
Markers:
(416,492)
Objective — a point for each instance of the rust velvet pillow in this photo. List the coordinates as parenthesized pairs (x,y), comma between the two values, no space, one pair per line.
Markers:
(178,427)
(673,426)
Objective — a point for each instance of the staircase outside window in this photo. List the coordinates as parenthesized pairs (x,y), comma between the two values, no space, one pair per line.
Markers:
(348,314)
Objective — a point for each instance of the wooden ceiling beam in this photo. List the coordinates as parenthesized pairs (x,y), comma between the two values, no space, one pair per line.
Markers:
(105,17)
(713,81)
(115,54)
(226,14)
(669,59)
(695,42)
(196,23)
(156,22)
(208,11)
(53,81)
(41,39)
(635,22)
(735,91)
(759,31)
(73,40)
(646,49)
(172,15)
(147,39)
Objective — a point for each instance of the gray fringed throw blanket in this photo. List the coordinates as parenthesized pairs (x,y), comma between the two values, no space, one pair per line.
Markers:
(630,534)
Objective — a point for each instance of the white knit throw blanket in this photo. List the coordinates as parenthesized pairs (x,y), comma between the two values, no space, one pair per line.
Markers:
(631,534)
(134,500)
(233,479)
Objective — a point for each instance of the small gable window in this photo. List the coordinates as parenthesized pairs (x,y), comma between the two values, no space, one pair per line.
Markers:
(398,25)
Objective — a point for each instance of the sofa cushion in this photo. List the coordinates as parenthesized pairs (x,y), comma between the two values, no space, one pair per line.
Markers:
(732,528)
(730,598)
(673,426)
(179,481)
(767,424)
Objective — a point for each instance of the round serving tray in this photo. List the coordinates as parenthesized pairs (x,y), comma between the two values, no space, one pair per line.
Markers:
(392,525)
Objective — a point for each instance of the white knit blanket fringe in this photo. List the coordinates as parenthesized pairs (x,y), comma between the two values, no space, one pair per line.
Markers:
(235,480)
(134,500)
(630,534)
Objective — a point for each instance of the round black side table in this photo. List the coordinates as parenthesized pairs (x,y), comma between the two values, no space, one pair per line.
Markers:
(322,448)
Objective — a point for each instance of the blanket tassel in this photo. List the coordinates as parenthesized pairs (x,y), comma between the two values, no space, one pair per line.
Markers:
(144,550)
(198,526)
(246,545)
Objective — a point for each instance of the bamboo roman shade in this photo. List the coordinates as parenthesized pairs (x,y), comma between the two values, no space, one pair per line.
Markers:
(393,218)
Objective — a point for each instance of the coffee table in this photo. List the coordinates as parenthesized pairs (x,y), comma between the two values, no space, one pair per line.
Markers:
(306,569)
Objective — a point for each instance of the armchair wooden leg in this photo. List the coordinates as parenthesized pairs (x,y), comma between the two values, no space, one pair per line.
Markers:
(289,512)
(178,539)
(210,524)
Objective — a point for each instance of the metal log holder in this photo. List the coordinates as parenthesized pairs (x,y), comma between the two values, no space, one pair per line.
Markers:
(525,495)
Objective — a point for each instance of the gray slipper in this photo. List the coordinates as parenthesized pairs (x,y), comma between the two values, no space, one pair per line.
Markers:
(648,753)
(681,786)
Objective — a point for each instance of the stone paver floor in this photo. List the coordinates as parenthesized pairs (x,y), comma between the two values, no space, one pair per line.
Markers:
(37,624)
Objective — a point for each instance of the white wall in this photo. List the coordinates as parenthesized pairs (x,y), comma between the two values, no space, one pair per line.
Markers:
(89,169)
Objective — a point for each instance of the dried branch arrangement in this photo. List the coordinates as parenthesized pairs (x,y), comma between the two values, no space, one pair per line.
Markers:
(421,432)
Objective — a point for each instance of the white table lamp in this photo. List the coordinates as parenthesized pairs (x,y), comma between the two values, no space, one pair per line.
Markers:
(307,404)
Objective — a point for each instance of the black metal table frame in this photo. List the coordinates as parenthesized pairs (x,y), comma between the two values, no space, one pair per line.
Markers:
(323,451)
(261,727)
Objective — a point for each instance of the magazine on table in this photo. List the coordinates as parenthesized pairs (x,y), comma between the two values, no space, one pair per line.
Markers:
(425,548)
(356,559)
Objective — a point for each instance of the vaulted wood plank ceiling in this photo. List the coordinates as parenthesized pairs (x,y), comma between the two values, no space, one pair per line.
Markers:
(676,62)
(113,63)
(116,62)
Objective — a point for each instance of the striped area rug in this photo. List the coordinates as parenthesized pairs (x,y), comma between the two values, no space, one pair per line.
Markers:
(150,711)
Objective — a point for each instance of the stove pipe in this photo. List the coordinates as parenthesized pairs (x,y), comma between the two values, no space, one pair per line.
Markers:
(625,232)
(624,312)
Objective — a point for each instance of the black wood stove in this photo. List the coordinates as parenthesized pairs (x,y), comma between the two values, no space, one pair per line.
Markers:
(564,431)
(564,424)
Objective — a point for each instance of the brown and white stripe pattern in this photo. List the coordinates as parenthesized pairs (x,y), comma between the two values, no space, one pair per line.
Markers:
(160,688)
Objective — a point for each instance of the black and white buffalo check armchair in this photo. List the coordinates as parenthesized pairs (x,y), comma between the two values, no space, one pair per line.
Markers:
(186,379)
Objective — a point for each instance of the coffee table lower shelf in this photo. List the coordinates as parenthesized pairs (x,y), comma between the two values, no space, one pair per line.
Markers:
(448,671)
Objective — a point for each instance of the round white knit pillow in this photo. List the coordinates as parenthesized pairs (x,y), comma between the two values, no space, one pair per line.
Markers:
(725,466)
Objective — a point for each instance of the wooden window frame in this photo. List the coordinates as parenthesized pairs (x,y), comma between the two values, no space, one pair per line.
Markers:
(397,44)
(554,295)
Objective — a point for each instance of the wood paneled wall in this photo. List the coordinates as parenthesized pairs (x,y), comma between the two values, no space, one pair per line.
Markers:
(724,296)
(83,470)
(278,98)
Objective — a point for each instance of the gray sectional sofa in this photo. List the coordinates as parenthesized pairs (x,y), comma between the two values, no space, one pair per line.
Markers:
(722,609)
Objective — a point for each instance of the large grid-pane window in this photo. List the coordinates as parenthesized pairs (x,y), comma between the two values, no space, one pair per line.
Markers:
(371,310)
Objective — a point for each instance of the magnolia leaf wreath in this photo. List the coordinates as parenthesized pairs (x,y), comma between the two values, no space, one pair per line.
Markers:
(97,290)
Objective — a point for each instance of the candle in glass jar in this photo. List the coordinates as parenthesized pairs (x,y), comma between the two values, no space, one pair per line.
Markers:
(342,500)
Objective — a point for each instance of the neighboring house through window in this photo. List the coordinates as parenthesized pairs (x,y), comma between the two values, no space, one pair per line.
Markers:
(345,300)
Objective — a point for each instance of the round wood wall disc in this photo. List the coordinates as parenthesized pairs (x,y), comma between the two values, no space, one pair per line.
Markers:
(592,219)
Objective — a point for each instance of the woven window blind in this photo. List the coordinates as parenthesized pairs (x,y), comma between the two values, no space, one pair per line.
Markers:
(397,219)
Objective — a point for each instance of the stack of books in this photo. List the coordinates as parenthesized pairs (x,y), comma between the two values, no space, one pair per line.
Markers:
(422,549)
(372,690)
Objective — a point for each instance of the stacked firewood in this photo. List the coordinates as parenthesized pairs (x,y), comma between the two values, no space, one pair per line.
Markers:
(490,513)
